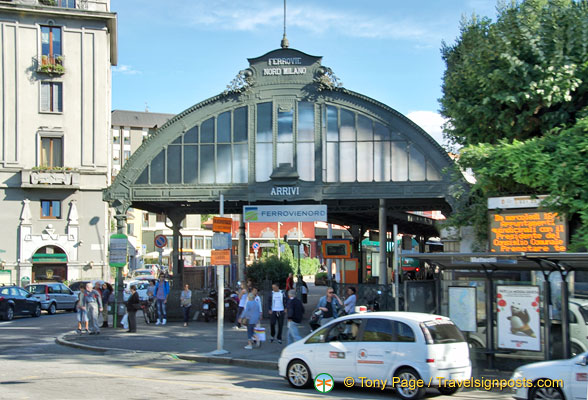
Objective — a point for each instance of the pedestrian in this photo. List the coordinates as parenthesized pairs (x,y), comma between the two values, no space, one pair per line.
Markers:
(82,313)
(186,303)
(251,318)
(350,300)
(92,304)
(242,302)
(258,301)
(133,305)
(303,289)
(289,282)
(328,305)
(106,291)
(295,314)
(277,302)
(161,293)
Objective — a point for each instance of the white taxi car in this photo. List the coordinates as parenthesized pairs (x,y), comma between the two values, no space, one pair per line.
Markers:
(558,379)
(383,347)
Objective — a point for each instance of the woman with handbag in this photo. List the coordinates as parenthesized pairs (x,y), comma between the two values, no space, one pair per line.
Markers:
(133,304)
(250,318)
(186,303)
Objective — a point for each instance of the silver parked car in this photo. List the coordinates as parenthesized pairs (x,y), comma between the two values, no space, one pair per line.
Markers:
(54,296)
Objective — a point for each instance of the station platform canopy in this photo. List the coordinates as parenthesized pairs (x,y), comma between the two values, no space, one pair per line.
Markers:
(286,132)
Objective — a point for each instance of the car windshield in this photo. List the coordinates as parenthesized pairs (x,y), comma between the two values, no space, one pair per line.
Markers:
(142,272)
(442,331)
(36,289)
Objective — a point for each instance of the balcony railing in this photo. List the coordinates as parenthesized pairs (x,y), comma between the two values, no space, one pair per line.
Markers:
(59,3)
(51,64)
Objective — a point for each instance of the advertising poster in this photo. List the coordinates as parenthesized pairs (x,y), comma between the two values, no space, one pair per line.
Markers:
(462,307)
(518,317)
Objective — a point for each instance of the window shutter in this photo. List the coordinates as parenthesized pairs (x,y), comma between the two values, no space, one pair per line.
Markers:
(45,96)
(57,97)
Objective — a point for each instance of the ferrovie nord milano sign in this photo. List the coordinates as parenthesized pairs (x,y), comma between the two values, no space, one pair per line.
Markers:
(298,213)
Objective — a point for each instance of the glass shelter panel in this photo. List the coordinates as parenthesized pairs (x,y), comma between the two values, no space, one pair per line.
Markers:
(174,164)
(417,165)
(399,161)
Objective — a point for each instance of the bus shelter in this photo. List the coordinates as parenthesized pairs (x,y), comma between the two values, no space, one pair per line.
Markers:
(490,264)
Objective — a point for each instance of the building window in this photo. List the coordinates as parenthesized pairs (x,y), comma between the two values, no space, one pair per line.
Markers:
(127,139)
(51,97)
(207,242)
(66,3)
(160,218)
(131,229)
(50,209)
(116,139)
(186,242)
(145,220)
(51,42)
(127,155)
(199,243)
(51,152)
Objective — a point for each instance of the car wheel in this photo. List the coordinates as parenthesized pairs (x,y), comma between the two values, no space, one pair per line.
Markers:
(9,314)
(37,312)
(406,391)
(447,390)
(298,374)
(52,309)
(544,393)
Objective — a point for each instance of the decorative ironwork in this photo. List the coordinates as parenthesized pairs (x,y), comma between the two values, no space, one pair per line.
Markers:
(327,80)
(242,82)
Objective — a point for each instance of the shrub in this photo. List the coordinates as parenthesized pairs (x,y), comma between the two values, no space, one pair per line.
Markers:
(271,268)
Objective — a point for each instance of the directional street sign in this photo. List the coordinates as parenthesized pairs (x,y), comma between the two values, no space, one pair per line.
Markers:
(220,257)
(222,224)
(118,250)
(221,241)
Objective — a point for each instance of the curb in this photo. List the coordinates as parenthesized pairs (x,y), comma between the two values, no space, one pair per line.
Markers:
(272,365)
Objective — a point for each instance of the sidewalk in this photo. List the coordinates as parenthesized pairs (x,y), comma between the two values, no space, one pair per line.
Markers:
(196,342)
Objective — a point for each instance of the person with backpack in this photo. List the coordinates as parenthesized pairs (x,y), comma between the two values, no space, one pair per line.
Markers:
(295,314)
(277,306)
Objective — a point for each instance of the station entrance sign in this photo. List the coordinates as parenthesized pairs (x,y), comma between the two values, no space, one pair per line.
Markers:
(297,213)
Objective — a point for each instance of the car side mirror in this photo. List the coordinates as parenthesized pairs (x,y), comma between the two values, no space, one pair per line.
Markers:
(583,361)
(29,295)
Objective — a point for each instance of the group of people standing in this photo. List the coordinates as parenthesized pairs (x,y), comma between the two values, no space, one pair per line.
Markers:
(91,302)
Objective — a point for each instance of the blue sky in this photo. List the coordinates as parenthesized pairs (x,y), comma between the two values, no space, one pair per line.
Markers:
(173,54)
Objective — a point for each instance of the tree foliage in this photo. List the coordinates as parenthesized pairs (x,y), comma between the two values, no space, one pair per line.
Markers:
(515,93)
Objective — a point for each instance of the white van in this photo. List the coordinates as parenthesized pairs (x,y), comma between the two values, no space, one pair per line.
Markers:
(384,347)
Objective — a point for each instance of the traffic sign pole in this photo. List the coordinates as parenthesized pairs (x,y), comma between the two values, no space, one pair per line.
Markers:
(220,270)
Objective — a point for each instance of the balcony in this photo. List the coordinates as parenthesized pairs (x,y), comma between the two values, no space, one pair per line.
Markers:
(59,3)
(56,178)
(51,64)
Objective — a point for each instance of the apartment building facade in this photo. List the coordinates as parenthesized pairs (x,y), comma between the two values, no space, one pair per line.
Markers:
(55,102)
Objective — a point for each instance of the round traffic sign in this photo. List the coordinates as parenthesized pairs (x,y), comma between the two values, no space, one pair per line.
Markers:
(255,245)
(160,241)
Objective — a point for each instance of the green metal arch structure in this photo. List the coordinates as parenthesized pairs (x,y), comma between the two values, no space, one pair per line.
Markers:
(285,131)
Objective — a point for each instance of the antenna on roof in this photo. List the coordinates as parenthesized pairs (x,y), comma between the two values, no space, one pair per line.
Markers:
(285,42)
(146,107)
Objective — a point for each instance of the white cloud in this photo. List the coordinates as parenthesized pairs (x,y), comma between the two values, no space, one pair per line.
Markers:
(431,122)
(125,69)
(318,19)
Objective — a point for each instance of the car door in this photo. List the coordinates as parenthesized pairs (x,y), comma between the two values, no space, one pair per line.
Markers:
(30,302)
(68,297)
(579,378)
(55,295)
(336,355)
(19,301)
(376,351)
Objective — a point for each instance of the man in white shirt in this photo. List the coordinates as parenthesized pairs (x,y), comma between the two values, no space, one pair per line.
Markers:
(350,300)
(276,311)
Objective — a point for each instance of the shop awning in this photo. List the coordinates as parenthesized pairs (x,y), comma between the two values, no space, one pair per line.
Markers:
(58,258)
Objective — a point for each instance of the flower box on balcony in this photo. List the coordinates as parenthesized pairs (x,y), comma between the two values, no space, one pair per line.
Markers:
(51,65)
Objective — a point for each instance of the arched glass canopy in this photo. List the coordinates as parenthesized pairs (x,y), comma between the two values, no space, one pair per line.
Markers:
(285,132)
